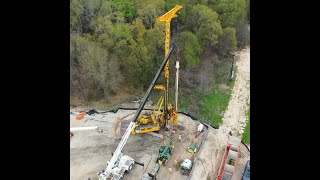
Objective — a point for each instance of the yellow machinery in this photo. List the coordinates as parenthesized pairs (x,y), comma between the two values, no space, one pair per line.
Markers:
(149,123)
(192,148)
(158,119)
(169,110)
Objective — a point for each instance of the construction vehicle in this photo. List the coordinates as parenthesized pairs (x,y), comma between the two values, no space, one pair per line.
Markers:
(165,111)
(120,163)
(165,153)
(246,174)
(200,129)
(149,122)
(185,167)
(229,159)
(153,174)
(192,148)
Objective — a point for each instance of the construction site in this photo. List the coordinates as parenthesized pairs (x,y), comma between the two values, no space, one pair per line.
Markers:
(146,141)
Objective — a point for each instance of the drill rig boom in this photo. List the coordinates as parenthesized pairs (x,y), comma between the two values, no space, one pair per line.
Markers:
(167,19)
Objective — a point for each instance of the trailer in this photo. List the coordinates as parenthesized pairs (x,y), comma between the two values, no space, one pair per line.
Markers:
(229,159)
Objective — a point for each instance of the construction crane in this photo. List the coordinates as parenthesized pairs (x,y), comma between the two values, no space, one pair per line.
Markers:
(119,163)
(153,122)
(168,109)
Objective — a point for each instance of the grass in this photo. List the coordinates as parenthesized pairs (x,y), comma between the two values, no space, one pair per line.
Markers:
(211,106)
(246,133)
(216,101)
(214,105)
(184,103)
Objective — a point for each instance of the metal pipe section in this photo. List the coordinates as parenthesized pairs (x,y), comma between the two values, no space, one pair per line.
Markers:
(177,84)
(83,128)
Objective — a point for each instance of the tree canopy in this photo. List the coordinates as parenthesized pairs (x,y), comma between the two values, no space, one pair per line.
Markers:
(116,42)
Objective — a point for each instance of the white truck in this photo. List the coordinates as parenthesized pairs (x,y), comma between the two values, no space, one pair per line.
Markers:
(119,163)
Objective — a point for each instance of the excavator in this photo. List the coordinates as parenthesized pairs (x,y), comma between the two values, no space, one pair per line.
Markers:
(164,111)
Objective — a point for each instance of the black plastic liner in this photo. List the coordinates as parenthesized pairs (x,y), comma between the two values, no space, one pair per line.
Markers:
(192,116)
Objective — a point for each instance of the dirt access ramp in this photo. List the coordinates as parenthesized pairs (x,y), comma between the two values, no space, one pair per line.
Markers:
(234,121)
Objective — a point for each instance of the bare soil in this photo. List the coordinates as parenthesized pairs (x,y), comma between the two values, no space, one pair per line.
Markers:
(90,150)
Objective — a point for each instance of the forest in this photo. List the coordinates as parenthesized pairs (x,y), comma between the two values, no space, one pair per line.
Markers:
(116,47)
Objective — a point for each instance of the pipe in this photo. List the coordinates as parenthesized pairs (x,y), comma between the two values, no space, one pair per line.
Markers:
(177,84)
(83,128)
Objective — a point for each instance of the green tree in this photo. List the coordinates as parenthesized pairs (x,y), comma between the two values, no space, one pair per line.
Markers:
(155,37)
(243,34)
(205,24)
(122,39)
(126,7)
(190,49)
(105,9)
(139,62)
(149,11)
(100,66)
(228,41)
(203,2)
(104,32)
(182,13)
(83,13)
(103,68)
(232,11)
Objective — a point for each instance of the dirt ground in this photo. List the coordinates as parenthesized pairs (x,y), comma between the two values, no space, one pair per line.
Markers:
(90,150)
(235,116)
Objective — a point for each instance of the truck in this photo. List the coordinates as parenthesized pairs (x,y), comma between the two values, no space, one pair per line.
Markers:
(185,167)
(152,175)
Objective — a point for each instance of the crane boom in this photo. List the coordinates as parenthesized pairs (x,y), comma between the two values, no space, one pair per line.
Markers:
(117,153)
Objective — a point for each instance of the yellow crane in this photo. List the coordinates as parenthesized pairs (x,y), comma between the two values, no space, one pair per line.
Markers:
(169,111)
(153,122)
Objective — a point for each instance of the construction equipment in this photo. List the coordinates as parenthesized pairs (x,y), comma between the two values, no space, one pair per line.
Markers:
(192,148)
(153,174)
(229,159)
(169,111)
(120,163)
(186,167)
(149,122)
(81,116)
(200,129)
(160,118)
(165,153)
(246,174)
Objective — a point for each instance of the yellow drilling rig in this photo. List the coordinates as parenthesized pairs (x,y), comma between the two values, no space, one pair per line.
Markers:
(164,111)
